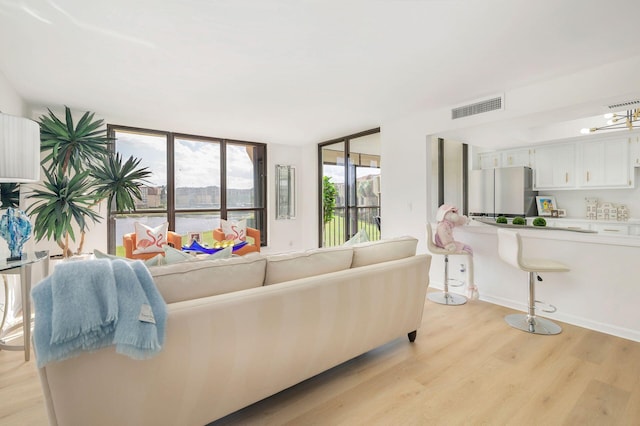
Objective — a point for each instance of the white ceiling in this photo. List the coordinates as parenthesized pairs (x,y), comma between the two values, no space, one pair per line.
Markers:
(296,71)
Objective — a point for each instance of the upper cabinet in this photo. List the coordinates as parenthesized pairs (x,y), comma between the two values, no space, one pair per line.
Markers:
(604,163)
(490,160)
(589,162)
(555,166)
(506,158)
(516,157)
(634,145)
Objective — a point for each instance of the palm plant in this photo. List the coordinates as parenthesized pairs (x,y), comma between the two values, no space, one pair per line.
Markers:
(9,195)
(80,171)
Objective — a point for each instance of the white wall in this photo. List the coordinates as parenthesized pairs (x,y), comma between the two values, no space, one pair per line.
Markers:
(302,232)
(10,101)
(404,184)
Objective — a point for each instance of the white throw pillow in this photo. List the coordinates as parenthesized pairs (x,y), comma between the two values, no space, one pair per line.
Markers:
(150,240)
(225,253)
(172,255)
(236,231)
(154,261)
(359,237)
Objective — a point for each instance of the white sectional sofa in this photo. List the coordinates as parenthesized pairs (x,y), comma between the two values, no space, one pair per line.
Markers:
(245,328)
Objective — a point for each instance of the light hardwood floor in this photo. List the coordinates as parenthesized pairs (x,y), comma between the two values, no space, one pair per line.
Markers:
(467,366)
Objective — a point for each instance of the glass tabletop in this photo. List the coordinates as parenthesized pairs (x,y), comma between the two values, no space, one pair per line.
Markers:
(27,258)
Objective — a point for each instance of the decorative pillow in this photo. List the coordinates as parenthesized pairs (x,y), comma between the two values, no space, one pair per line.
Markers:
(172,255)
(236,231)
(225,253)
(154,261)
(150,240)
(359,237)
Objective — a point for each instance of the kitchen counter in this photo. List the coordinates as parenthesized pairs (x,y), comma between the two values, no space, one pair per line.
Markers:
(601,292)
(492,222)
(599,232)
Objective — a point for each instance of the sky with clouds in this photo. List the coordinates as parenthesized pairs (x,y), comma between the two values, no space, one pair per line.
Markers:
(197,162)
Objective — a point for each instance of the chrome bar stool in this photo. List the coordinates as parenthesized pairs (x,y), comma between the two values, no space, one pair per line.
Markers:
(510,250)
(446,298)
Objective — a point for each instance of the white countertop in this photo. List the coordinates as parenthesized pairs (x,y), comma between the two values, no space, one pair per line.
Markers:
(549,233)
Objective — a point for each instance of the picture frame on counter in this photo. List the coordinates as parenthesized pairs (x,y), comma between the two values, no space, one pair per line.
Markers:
(545,204)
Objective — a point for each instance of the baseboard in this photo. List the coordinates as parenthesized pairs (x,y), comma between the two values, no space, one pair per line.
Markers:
(613,330)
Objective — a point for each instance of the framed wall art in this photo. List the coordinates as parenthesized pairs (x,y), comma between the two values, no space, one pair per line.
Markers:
(545,204)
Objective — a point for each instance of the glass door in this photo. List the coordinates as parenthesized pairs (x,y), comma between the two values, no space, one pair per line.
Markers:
(349,185)
(333,180)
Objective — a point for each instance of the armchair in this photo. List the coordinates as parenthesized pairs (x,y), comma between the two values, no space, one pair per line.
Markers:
(218,235)
(130,241)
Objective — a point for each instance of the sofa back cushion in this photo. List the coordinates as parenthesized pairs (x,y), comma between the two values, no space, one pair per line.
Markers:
(383,251)
(202,278)
(292,266)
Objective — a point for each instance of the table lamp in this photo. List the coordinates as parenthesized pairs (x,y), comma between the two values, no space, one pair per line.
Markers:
(19,163)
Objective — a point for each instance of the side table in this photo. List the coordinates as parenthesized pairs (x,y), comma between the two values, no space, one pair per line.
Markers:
(23,267)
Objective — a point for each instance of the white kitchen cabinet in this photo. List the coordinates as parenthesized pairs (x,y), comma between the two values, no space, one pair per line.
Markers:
(555,166)
(610,228)
(604,163)
(516,157)
(634,153)
(634,230)
(490,160)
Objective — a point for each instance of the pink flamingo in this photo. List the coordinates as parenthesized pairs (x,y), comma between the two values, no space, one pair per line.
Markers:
(151,241)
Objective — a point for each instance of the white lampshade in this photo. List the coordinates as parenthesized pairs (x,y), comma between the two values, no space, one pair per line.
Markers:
(19,149)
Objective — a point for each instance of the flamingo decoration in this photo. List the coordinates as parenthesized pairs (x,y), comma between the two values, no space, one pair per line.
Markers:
(151,241)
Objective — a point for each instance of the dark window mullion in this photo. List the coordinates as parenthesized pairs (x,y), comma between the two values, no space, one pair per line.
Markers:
(171,187)
(223,179)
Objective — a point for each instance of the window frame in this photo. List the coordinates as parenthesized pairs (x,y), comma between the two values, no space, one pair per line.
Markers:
(260,164)
(350,195)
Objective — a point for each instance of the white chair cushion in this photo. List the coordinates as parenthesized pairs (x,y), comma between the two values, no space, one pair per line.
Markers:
(292,266)
(383,251)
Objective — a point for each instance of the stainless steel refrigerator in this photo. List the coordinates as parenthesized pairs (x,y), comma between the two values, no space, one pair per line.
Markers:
(506,191)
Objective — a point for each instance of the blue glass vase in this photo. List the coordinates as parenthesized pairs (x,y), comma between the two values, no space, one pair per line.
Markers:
(15,228)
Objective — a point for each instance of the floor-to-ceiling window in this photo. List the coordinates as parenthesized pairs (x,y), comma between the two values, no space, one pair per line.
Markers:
(349,187)
(195,182)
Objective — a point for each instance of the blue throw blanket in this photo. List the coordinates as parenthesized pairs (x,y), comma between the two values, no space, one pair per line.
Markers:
(89,304)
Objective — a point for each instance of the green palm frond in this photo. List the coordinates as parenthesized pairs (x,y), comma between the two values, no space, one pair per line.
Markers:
(62,201)
(70,147)
(120,182)
(9,195)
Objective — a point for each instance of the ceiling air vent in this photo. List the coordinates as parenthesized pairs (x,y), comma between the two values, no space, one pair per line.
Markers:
(478,107)
(626,104)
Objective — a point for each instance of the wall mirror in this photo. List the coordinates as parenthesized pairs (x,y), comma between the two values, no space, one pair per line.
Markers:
(285,192)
